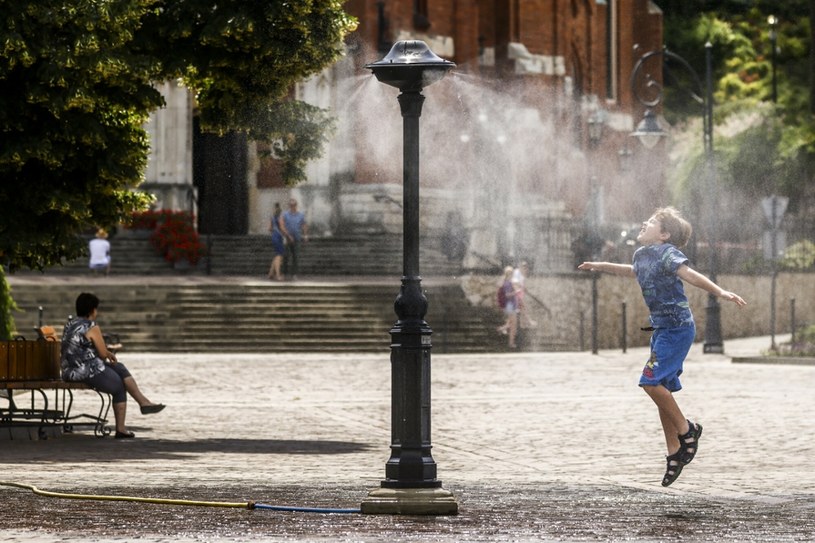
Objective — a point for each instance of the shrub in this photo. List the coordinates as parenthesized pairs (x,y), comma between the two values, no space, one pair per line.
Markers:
(174,235)
(7,305)
(804,344)
(146,220)
(799,256)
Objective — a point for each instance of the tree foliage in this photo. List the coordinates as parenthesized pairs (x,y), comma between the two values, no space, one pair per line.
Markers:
(761,147)
(77,89)
(73,104)
(243,57)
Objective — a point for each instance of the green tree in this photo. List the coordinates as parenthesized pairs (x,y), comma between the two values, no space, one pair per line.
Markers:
(242,57)
(761,147)
(76,78)
(73,104)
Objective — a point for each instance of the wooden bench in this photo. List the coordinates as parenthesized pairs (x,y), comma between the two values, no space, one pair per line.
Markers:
(33,367)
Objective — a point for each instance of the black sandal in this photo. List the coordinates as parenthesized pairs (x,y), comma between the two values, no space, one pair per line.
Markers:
(689,442)
(674,468)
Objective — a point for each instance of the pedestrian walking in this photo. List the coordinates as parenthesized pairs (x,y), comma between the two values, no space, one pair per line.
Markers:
(508,302)
(519,276)
(660,267)
(295,230)
(278,243)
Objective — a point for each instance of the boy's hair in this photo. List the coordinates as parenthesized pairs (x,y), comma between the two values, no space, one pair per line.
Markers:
(674,224)
(85,304)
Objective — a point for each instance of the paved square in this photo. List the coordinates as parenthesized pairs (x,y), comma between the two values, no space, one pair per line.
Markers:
(535,446)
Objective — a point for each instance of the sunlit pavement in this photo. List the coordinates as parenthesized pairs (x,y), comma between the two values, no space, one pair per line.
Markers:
(535,446)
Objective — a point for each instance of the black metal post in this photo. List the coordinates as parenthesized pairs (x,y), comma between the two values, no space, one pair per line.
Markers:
(594,316)
(624,333)
(595,216)
(774,264)
(411,464)
(774,46)
(410,485)
(792,319)
(581,338)
(713,323)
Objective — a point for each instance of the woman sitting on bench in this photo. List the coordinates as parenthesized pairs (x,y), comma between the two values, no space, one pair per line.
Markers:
(86,358)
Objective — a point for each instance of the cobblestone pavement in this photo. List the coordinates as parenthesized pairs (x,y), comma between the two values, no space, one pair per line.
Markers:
(535,447)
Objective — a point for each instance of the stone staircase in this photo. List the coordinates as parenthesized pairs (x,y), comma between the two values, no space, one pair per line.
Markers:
(251,255)
(255,316)
(129,255)
(342,302)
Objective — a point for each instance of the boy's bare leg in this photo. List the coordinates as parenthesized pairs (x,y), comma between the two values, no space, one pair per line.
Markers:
(673,421)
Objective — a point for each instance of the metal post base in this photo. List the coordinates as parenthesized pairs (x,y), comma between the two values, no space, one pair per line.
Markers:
(713,348)
(410,501)
(713,328)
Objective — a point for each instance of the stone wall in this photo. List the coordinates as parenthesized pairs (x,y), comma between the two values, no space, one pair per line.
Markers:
(566,317)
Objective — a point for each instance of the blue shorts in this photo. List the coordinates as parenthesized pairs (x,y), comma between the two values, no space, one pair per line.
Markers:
(669,347)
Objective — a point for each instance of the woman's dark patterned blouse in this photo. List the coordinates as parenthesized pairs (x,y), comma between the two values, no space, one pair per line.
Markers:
(79,359)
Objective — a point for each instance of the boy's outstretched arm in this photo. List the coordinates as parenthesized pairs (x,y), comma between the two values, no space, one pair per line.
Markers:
(696,279)
(608,267)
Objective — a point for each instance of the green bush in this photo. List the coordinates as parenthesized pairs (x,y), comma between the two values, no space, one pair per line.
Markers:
(7,305)
(804,344)
(799,256)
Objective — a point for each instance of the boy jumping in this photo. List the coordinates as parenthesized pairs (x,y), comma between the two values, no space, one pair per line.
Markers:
(660,267)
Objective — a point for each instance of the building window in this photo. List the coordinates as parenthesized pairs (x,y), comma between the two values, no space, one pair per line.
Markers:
(270,173)
(421,17)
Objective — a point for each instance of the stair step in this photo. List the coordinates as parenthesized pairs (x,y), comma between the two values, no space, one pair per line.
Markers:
(258,317)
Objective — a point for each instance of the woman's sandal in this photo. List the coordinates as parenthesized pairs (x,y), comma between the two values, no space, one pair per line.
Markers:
(674,468)
(689,442)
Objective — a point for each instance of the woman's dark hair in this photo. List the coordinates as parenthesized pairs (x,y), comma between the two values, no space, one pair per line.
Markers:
(85,304)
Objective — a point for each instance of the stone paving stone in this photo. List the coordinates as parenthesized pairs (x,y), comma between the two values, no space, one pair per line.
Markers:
(535,446)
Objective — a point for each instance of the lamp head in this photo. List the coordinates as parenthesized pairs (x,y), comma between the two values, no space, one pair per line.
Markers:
(648,131)
(595,124)
(410,66)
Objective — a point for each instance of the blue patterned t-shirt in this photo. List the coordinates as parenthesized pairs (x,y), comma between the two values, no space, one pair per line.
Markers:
(655,267)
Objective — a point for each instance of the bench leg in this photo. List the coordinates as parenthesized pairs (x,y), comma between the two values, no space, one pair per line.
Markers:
(98,421)
(100,430)
(67,404)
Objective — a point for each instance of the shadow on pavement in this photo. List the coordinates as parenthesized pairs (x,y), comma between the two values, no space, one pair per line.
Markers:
(85,448)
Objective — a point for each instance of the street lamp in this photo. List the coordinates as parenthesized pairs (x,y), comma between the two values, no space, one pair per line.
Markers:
(624,155)
(649,132)
(595,128)
(772,20)
(410,485)
(595,217)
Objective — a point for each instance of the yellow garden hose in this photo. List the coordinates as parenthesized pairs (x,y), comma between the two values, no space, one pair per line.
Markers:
(166,501)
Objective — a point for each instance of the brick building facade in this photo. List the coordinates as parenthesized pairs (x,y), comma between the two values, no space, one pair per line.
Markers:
(509,154)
